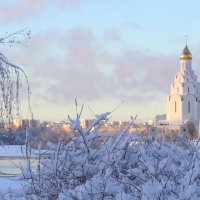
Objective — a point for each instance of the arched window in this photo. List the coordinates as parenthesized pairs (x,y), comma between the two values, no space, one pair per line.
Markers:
(175,107)
(188,106)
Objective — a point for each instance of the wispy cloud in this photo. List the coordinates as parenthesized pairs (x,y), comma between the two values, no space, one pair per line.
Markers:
(75,64)
(23,10)
(113,34)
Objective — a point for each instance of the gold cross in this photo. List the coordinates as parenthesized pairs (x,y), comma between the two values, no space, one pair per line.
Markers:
(186,37)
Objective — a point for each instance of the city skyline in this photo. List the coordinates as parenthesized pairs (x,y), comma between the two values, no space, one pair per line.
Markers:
(101,52)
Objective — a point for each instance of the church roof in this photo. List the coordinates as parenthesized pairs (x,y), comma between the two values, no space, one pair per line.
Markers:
(186,55)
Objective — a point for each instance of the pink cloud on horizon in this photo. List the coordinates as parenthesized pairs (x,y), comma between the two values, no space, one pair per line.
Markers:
(69,2)
(26,9)
(20,10)
(113,34)
(79,68)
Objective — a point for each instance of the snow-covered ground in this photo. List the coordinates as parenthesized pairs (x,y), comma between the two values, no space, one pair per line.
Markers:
(9,182)
(12,150)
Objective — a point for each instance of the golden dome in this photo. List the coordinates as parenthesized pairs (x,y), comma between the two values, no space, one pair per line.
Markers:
(186,55)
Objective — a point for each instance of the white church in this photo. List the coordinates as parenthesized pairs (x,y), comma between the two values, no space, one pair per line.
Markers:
(183,103)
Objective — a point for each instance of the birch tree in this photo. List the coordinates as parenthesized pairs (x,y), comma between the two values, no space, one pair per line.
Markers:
(11,78)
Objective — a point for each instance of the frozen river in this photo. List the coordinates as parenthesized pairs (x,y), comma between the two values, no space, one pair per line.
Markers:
(10,167)
(12,160)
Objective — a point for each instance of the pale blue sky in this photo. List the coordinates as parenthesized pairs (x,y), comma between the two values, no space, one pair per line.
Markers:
(101,52)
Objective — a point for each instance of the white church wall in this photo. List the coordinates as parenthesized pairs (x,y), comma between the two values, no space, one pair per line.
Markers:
(197,89)
(188,88)
(195,78)
(189,107)
(179,79)
(175,110)
(197,112)
(177,88)
(159,118)
(188,78)
(185,65)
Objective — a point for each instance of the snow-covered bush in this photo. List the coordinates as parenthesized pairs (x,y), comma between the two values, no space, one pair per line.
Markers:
(98,166)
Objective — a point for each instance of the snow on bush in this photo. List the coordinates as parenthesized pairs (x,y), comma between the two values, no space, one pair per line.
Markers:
(124,166)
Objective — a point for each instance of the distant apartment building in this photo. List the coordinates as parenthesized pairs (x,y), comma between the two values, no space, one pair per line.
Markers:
(84,123)
(22,123)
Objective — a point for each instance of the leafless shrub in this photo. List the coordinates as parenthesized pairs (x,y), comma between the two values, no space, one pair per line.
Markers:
(123,166)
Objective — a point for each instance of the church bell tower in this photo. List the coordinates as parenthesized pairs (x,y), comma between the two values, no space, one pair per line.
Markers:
(183,103)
